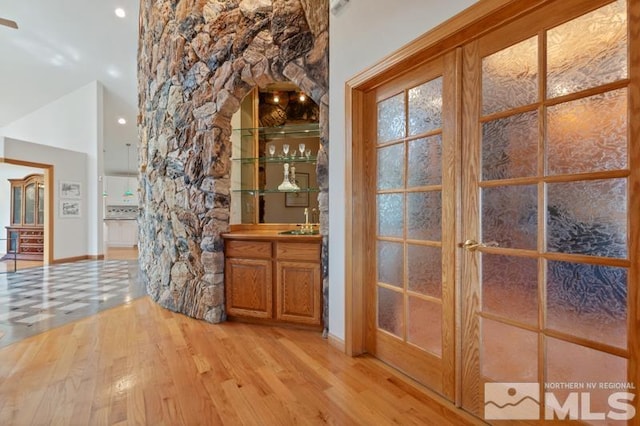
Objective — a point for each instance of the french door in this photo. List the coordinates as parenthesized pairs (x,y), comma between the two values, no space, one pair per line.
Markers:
(546,189)
(504,187)
(411,299)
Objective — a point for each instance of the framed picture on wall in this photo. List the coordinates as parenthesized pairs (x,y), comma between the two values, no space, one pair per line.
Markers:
(301,198)
(70,190)
(69,208)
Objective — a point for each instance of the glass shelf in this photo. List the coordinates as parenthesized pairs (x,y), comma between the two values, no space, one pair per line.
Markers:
(306,130)
(277,160)
(274,191)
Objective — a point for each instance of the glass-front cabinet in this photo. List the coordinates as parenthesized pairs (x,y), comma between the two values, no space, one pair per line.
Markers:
(25,235)
(274,166)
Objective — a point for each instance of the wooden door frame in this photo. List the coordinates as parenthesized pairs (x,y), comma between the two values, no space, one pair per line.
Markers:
(47,169)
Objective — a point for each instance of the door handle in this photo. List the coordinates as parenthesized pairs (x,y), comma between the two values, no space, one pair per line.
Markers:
(472,245)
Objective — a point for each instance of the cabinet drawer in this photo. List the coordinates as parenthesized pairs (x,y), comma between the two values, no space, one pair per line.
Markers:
(248,249)
(299,251)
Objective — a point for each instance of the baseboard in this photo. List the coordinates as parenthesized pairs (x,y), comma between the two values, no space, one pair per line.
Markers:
(336,342)
(79,258)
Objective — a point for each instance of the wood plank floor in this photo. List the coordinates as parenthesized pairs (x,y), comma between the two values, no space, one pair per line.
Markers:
(121,253)
(141,364)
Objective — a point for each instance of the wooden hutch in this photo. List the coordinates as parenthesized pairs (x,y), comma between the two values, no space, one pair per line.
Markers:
(25,235)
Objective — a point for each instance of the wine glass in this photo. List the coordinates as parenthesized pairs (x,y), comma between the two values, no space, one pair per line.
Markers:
(272,149)
(308,153)
(301,149)
(285,149)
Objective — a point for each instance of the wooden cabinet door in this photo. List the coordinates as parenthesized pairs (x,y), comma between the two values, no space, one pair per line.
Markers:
(298,292)
(249,288)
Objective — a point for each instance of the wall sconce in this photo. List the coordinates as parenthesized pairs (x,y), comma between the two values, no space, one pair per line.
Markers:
(276,98)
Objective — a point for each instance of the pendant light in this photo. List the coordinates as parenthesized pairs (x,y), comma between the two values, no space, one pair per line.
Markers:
(128,192)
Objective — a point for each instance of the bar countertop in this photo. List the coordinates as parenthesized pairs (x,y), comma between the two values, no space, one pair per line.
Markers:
(270,235)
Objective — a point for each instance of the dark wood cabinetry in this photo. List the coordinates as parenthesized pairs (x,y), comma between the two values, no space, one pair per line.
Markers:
(274,279)
(25,235)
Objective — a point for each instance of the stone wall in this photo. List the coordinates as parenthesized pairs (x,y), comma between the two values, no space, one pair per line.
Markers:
(197,59)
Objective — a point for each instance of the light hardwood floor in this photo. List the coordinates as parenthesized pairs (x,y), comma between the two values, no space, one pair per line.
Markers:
(142,364)
(121,253)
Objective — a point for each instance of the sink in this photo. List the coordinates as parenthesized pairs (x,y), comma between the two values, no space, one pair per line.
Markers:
(299,232)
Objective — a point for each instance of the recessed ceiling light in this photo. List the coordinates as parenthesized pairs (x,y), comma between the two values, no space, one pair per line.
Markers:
(120,13)
(122,121)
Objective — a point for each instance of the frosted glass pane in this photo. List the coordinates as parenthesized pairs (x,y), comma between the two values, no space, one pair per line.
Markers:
(41,202)
(424,216)
(588,51)
(508,354)
(390,311)
(509,216)
(390,263)
(424,270)
(425,325)
(510,77)
(390,215)
(588,301)
(588,135)
(570,363)
(510,147)
(588,217)
(30,204)
(391,119)
(425,107)
(514,279)
(391,167)
(17,205)
(425,162)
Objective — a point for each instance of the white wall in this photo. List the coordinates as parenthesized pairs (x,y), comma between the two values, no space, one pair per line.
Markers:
(361,34)
(9,171)
(70,235)
(74,123)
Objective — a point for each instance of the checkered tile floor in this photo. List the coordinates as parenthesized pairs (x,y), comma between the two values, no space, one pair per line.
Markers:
(37,299)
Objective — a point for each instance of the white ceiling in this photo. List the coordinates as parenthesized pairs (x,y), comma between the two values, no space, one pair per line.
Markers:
(62,45)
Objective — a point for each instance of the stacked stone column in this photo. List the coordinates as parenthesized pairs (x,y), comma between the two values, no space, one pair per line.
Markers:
(197,59)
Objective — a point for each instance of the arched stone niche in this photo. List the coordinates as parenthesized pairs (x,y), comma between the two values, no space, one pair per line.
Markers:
(197,59)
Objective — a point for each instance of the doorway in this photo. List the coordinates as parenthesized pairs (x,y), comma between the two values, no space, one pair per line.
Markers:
(516,262)
(40,241)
